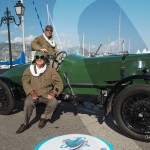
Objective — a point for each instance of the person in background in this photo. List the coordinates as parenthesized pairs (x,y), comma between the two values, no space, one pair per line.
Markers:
(45,42)
(42,84)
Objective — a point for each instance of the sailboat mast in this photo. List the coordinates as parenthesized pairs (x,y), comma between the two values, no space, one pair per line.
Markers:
(129,45)
(50,17)
(23,39)
(119,30)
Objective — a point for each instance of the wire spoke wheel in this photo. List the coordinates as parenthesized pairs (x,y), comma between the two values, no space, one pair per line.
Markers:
(6,99)
(3,99)
(131,111)
(136,113)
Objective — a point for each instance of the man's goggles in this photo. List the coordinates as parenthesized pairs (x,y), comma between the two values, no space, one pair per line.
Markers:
(39,57)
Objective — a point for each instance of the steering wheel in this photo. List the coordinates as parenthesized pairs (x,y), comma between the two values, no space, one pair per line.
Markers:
(58,59)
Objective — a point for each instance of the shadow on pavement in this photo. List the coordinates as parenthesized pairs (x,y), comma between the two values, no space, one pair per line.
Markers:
(18,107)
(64,107)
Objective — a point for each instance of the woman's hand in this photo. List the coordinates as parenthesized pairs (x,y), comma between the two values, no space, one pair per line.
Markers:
(34,95)
(50,95)
(44,50)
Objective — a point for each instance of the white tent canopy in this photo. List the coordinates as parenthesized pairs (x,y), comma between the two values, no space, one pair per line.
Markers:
(144,51)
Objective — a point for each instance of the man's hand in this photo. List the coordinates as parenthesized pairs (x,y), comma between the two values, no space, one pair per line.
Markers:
(44,50)
(50,95)
(34,95)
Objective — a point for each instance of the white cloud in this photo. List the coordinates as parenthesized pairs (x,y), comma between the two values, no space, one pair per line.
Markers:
(16,40)
(28,39)
(4,32)
(112,47)
(114,44)
(93,46)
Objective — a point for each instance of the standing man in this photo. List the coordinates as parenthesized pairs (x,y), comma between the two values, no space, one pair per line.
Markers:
(45,42)
(42,84)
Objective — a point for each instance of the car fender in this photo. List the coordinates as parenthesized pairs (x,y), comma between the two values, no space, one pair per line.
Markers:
(10,84)
(120,84)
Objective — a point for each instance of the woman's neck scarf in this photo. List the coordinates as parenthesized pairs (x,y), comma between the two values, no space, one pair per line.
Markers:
(35,71)
(50,41)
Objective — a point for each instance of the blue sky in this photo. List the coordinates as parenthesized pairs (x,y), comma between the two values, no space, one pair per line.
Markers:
(97,21)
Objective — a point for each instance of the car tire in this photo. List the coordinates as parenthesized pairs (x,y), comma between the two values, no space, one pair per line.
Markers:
(131,111)
(7,102)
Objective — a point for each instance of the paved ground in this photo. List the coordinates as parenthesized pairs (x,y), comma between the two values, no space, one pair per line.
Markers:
(65,121)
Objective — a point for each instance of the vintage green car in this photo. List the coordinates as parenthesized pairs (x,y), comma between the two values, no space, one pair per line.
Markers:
(118,83)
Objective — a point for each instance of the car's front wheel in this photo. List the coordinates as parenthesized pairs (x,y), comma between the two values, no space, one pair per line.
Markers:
(7,102)
(131,111)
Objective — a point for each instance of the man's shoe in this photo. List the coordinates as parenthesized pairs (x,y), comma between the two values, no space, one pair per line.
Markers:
(42,123)
(22,128)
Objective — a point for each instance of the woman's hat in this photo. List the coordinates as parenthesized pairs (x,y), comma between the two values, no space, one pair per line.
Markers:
(49,27)
(42,55)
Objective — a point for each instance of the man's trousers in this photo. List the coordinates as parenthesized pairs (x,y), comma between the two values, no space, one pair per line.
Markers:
(29,105)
